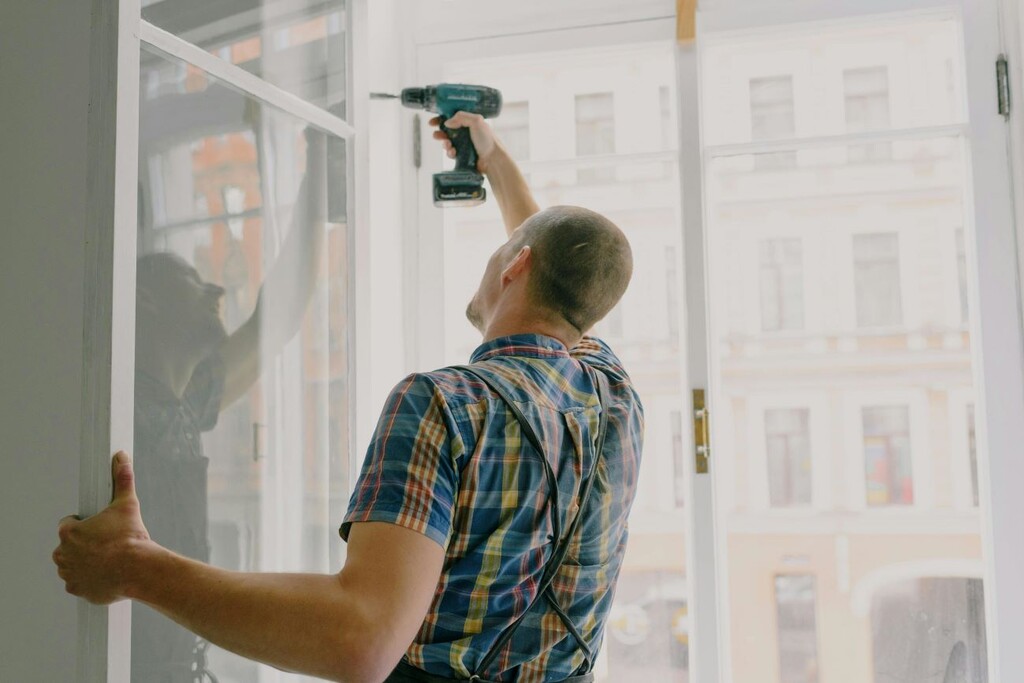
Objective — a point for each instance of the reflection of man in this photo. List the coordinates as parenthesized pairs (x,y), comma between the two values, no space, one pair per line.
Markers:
(473,486)
(188,368)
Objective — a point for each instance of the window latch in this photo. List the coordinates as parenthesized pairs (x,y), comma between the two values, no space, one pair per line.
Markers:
(701,431)
(1003,84)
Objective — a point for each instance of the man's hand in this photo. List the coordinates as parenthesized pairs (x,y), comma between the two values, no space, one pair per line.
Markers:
(94,555)
(480,132)
(514,197)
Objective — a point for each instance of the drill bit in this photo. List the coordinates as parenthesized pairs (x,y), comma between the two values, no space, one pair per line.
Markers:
(383,96)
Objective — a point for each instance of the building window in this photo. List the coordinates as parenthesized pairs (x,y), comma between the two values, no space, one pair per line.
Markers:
(876,272)
(972,451)
(887,460)
(795,605)
(867,109)
(678,455)
(788,449)
(961,271)
(513,127)
(782,287)
(672,294)
(772,117)
(595,134)
(668,122)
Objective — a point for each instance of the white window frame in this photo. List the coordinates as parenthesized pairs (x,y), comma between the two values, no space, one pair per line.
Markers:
(996,325)
(119,33)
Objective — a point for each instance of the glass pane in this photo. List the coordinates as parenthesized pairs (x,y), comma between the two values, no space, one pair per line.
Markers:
(577,96)
(840,447)
(930,625)
(241,398)
(817,80)
(298,46)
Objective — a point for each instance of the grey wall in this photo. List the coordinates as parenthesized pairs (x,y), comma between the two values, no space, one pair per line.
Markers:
(44,87)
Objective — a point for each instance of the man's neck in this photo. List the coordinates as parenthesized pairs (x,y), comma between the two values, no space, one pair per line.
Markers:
(565,333)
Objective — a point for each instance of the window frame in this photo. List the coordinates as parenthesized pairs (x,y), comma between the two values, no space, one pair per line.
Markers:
(999,335)
(119,34)
(996,328)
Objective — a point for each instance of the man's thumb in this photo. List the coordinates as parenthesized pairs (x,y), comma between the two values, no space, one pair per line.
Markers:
(123,476)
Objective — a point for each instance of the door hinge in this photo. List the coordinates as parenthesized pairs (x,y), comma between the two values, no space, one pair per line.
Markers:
(417,141)
(701,431)
(1003,85)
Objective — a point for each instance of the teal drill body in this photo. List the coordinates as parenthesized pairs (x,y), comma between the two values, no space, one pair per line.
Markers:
(464,185)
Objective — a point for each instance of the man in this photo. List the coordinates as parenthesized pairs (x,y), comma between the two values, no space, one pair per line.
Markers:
(451,529)
(188,369)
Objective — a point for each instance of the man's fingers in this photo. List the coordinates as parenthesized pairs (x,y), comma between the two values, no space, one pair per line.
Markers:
(123,476)
(65,525)
(463,119)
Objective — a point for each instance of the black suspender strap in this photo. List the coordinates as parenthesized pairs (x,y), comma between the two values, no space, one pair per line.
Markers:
(562,542)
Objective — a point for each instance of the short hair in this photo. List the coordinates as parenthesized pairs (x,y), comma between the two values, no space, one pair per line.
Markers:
(582,263)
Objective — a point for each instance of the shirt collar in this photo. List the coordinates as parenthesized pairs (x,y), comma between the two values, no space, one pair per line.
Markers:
(528,345)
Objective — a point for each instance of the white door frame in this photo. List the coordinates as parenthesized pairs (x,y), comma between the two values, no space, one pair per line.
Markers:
(998,348)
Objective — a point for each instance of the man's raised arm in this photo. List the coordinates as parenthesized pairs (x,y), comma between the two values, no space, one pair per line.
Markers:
(514,197)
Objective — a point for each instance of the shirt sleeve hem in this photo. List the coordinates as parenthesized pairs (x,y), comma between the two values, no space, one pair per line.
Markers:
(435,534)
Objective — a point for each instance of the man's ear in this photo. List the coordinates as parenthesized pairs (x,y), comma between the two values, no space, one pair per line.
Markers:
(518,266)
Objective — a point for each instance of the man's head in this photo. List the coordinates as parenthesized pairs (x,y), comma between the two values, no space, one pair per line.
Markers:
(175,309)
(564,265)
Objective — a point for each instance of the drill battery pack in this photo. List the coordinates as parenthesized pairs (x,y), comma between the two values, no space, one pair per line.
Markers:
(459,188)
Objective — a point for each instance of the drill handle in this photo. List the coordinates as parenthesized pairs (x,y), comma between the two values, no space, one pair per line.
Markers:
(465,152)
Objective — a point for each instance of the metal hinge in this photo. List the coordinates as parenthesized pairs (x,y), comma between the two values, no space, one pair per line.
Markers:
(417,142)
(1003,85)
(701,430)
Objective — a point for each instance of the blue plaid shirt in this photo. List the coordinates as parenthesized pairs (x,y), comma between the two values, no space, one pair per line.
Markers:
(447,461)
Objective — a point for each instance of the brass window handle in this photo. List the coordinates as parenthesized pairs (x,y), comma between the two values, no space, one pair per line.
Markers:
(701,431)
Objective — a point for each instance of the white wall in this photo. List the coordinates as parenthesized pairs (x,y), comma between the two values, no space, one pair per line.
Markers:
(44,88)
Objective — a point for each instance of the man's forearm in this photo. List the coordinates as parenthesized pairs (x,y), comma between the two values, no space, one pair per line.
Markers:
(296,622)
(514,197)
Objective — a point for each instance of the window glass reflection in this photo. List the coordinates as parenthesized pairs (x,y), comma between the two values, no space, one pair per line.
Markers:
(297,46)
(241,408)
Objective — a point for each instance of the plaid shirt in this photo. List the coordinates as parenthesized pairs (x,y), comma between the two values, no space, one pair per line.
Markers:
(447,461)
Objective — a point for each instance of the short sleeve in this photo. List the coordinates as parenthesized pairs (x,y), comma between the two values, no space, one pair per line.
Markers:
(205,390)
(596,353)
(409,477)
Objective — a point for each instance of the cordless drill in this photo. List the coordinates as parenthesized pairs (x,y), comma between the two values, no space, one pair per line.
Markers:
(463,186)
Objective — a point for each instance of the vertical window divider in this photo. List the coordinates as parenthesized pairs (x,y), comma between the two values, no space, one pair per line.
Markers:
(108,385)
